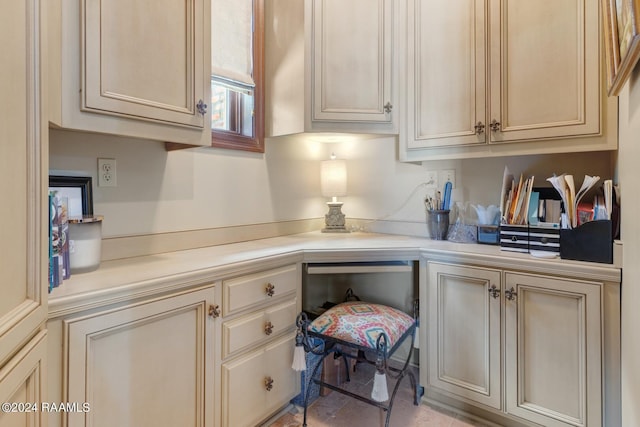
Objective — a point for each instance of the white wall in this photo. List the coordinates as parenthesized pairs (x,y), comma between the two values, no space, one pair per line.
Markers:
(161,191)
(628,170)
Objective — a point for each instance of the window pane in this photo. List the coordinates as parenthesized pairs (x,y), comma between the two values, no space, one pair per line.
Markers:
(231,110)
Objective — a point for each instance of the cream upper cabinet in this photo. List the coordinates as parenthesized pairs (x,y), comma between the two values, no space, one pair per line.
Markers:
(331,66)
(446,62)
(514,77)
(134,68)
(23,177)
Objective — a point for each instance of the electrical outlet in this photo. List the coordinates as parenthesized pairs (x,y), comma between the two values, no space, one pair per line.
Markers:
(432,179)
(107,173)
(448,175)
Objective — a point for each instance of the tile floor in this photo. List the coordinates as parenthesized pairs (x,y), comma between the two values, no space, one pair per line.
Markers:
(337,410)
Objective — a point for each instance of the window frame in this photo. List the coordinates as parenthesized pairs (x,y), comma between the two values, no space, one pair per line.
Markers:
(234,141)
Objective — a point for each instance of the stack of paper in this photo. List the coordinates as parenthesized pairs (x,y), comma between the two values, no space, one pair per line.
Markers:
(514,199)
(565,186)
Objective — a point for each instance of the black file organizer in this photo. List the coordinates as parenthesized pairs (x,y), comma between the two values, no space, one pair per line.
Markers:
(591,241)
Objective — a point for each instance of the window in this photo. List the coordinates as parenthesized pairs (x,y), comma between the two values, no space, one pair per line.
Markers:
(237,74)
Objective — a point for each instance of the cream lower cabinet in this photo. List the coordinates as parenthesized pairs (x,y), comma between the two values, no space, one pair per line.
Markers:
(525,345)
(257,343)
(147,364)
(23,385)
(138,68)
(553,350)
(464,332)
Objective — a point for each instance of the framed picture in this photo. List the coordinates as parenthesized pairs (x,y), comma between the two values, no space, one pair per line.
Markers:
(621,40)
(78,191)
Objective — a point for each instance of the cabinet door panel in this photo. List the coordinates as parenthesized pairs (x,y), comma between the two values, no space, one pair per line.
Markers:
(119,360)
(352,59)
(447,59)
(464,332)
(553,371)
(22,380)
(23,158)
(544,69)
(143,59)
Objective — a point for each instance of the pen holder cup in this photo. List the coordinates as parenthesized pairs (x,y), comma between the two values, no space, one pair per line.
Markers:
(438,223)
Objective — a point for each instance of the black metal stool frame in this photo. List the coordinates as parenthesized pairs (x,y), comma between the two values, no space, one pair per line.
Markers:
(329,347)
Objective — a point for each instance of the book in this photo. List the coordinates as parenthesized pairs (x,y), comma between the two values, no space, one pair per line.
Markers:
(63,214)
(515,199)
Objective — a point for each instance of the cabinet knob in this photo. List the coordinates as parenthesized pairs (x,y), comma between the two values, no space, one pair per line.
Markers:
(268,328)
(202,107)
(270,289)
(494,292)
(214,311)
(388,107)
(479,128)
(510,294)
(494,125)
(268,383)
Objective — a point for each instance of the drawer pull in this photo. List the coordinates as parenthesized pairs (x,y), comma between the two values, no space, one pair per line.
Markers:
(510,294)
(214,311)
(268,328)
(494,292)
(270,289)
(268,383)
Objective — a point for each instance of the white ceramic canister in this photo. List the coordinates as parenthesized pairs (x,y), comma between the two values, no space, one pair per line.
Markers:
(85,243)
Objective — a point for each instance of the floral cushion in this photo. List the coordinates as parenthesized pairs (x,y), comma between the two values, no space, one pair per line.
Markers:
(360,323)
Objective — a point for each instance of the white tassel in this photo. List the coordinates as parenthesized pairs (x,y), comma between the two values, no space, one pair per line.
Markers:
(299,359)
(380,392)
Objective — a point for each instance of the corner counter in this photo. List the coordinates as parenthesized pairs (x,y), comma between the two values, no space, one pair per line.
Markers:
(130,278)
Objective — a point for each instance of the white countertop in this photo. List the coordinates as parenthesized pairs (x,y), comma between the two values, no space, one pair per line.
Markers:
(121,280)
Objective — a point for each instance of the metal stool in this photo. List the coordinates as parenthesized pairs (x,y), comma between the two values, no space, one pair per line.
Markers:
(373,329)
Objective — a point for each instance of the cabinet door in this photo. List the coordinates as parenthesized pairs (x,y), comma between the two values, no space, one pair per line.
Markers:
(351,61)
(257,384)
(120,360)
(553,350)
(545,69)
(464,332)
(23,183)
(446,72)
(143,59)
(22,381)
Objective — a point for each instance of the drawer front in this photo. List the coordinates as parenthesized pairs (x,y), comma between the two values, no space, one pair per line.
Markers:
(246,399)
(252,290)
(256,328)
(544,239)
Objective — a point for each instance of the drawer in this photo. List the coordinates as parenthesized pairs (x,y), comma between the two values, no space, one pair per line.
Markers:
(246,399)
(258,327)
(254,289)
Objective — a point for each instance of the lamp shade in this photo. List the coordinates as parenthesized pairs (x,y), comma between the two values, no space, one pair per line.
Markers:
(333,178)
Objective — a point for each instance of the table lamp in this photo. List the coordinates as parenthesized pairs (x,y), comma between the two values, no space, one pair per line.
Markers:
(333,181)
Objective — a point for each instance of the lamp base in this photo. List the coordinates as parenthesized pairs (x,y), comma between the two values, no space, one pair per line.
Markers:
(334,220)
